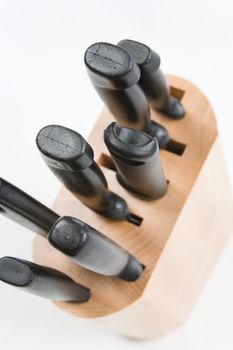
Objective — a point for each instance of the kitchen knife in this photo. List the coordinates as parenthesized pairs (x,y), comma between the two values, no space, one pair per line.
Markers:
(71,159)
(87,247)
(25,210)
(42,281)
(152,79)
(137,159)
(21,208)
(115,77)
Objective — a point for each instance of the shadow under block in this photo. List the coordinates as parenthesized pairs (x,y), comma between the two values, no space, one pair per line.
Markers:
(180,237)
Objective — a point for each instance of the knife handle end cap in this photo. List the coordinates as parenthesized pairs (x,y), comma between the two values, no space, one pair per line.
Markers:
(132,271)
(15,272)
(117,207)
(110,66)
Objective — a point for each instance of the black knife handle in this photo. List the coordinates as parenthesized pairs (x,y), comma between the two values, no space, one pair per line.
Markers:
(40,280)
(71,159)
(25,210)
(137,159)
(115,77)
(89,248)
(152,80)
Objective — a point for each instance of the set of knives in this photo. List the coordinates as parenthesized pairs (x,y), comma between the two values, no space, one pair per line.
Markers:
(128,78)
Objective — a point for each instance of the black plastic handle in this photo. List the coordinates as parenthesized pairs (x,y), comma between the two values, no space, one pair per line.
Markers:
(137,159)
(115,77)
(25,210)
(42,281)
(71,159)
(152,79)
(89,248)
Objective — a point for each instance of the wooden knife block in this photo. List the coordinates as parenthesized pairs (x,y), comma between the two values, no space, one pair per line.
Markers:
(180,237)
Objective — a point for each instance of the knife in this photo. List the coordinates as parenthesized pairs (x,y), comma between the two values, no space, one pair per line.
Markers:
(137,159)
(89,248)
(71,159)
(21,208)
(115,77)
(152,80)
(42,281)
(25,210)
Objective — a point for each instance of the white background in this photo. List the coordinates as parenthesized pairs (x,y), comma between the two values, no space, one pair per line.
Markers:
(43,81)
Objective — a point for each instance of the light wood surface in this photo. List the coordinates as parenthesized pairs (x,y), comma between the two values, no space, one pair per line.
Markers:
(180,237)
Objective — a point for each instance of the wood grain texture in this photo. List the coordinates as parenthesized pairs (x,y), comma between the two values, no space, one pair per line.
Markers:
(180,237)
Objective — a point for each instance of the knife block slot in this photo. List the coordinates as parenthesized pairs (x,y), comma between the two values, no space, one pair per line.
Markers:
(135,219)
(178,93)
(181,235)
(175,147)
(106,161)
